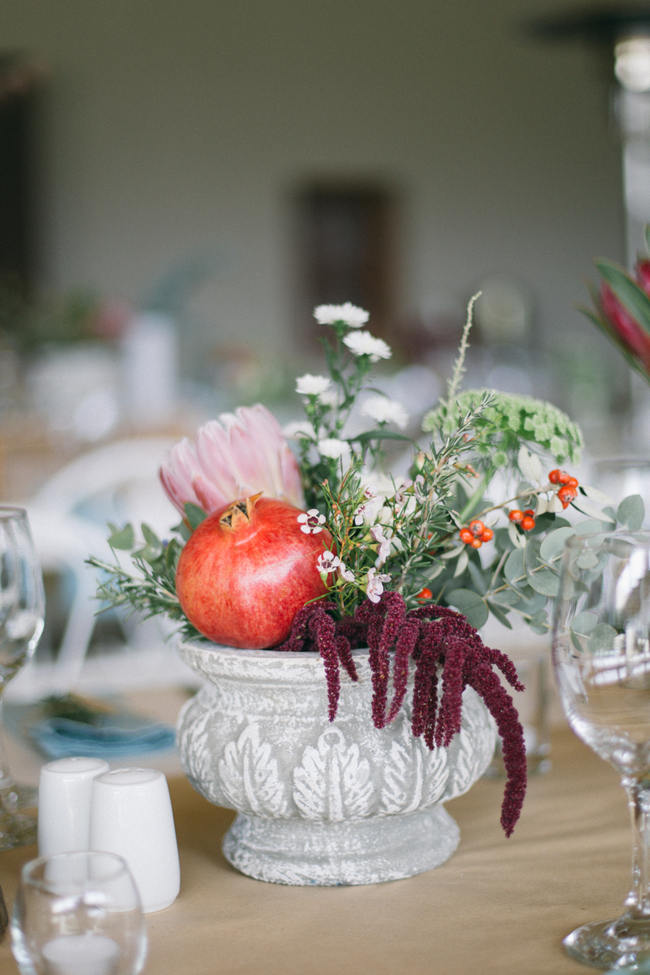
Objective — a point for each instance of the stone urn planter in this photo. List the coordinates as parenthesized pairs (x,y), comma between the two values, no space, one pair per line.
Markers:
(321,802)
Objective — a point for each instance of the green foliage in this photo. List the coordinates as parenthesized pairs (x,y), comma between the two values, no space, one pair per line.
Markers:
(144,581)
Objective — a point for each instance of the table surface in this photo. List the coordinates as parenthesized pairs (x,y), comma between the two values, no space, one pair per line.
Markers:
(497,907)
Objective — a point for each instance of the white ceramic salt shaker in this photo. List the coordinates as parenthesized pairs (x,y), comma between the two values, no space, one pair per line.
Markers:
(64,796)
(131,815)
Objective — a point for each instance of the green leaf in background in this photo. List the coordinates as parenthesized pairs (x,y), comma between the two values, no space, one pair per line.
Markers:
(379,434)
(631,512)
(627,291)
(122,538)
(470,605)
(194,515)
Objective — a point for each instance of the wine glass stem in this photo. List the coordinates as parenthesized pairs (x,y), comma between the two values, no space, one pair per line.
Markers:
(638,799)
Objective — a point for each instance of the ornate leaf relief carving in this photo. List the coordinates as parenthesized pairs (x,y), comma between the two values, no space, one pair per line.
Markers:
(333,781)
(413,776)
(250,777)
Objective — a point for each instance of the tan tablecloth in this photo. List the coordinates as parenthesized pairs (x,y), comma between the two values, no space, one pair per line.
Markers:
(497,907)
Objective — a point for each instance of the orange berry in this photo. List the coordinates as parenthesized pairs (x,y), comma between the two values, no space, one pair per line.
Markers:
(566,494)
(476,527)
(487,535)
(466,536)
(527,523)
(515,515)
(554,475)
(476,543)
(573,482)
(529,513)
(424,594)
(564,478)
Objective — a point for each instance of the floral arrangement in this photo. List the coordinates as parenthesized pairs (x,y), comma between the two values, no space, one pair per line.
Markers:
(336,546)
(622,309)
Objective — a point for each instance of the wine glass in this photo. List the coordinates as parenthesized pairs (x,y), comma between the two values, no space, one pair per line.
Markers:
(78,913)
(601,657)
(22,607)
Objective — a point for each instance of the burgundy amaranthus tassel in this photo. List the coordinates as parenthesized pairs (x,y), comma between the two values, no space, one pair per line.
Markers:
(441,643)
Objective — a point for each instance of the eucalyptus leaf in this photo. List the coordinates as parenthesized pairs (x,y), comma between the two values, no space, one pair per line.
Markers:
(584,623)
(470,605)
(601,638)
(553,544)
(462,563)
(499,614)
(591,508)
(544,581)
(631,512)
(122,539)
(514,566)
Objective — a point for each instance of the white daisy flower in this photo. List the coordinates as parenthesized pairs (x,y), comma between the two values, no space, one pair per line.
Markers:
(375,585)
(309,385)
(385,410)
(363,343)
(299,429)
(334,448)
(352,315)
(311,522)
(328,562)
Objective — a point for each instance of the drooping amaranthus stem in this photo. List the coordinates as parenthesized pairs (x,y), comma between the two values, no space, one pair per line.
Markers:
(445,650)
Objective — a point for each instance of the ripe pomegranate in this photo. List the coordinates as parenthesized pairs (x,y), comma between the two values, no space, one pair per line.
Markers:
(247,569)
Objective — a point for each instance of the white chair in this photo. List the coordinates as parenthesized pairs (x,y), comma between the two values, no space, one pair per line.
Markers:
(69,515)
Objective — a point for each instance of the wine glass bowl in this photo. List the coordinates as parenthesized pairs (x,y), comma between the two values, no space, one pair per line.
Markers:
(601,658)
(22,607)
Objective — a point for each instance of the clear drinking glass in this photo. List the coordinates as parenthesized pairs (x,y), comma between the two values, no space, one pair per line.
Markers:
(601,657)
(78,914)
(22,607)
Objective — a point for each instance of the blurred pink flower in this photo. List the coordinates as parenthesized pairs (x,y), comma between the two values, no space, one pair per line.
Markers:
(234,456)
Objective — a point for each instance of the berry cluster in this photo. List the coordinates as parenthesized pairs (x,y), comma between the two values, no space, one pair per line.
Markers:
(476,533)
(568,490)
(525,519)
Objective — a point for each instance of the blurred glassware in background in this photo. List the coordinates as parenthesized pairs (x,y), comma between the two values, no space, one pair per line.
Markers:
(78,914)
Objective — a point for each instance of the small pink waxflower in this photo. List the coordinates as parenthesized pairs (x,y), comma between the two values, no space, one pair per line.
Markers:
(235,456)
(327,562)
(345,573)
(383,551)
(311,522)
(375,585)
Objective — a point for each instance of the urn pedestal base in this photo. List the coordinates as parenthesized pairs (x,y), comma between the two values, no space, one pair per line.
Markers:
(369,851)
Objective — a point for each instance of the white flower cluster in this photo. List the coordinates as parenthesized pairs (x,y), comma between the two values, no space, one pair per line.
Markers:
(348,313)
(309,385)
(363,343)
(385,410)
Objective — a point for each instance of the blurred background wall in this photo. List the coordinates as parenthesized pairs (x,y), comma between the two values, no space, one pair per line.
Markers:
(221,157)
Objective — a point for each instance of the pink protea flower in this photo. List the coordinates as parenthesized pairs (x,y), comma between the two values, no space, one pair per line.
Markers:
(234,456)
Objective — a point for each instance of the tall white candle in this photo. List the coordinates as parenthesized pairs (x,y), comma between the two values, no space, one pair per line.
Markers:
(81,954)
